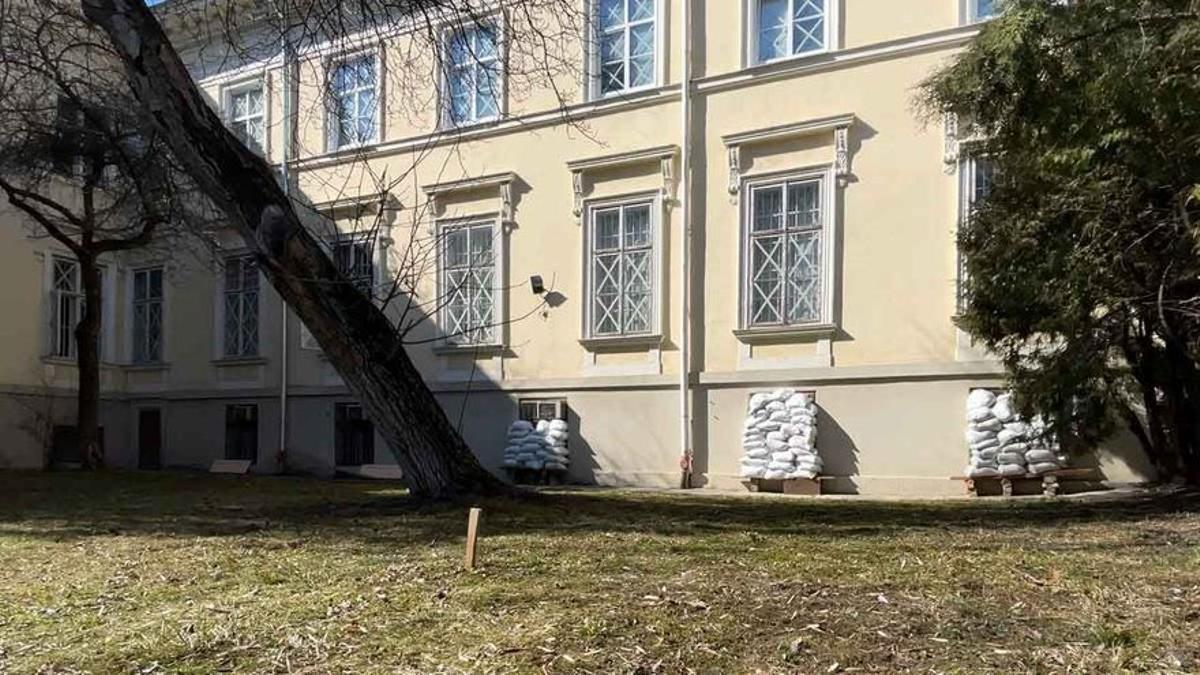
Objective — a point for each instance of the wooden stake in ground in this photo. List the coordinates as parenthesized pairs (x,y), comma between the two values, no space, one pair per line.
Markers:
(472,537)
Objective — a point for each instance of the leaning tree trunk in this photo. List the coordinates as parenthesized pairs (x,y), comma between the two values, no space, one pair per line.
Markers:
(360,341)
(87,360)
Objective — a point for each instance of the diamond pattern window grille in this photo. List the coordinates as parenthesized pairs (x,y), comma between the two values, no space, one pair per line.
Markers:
(66,307)
(790,28)
(785,241)
(976,174)
(626,44)
(353,88)
(247,117)
(473,74)
(622,271)
(147,315)
(468,284)
(241,307)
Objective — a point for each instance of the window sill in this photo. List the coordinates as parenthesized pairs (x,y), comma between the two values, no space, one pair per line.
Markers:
(235,361)
(146,367)
(596,343)
(775,333)
(791,59)
(451,348)
(469,125)
(621,94)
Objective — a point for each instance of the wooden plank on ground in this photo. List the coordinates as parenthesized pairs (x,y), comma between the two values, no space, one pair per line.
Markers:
(234,466)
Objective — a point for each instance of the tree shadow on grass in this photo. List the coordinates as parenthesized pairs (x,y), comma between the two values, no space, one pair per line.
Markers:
(66,506)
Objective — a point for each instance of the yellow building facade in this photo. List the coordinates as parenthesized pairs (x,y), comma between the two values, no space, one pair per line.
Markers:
(797,231)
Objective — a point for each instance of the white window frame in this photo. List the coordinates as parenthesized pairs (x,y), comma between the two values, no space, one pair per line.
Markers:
(593,88)
(222,292)
(825,176)
(445,119)
(830,39)
(56,297)
(228,93)
(591,207)
(498,324)
(332,124)
(968,12)
(968,170)
(356,241)
(108,294)
(162,304)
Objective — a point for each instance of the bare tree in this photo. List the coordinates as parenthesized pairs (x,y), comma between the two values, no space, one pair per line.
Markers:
(363,344)
(78,160)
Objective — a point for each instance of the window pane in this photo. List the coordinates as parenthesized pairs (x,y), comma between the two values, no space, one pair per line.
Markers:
(456,248)
(808,27)
(773,27)
(612,77)
(612,13)
(606,306)
(481,246)
(641,9)
(233,320)
(485,43)
(804,205)
(607,230)
(767,209)
(766,279)
(637,226)
(139,285)
(487,94)
(636,303)
(985,8)
(982,174)
(803,287)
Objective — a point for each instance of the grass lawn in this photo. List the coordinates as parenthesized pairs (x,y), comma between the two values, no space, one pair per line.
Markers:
(192,573)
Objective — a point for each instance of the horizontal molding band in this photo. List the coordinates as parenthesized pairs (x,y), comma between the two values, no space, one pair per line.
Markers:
(874,374)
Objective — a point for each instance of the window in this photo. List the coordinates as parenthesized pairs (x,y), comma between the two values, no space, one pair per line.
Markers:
(241,307)
(621,270)
(468,267)
(535,409)
(354,436)
(980,10)
(68,122)
(473,72)
(625,45)
(241,432)
(976,174)
(354,101)
(66,306)
(785,28)
(784,249)
(247,116)
(354,257)
(147,315)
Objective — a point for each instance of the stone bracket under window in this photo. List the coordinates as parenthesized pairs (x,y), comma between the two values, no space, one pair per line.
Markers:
(959,135)
(664,155)
(501,182)
(838,125)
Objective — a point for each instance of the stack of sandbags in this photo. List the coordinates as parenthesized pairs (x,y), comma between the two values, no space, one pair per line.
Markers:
(1001,443)
(537,447)
(780,436)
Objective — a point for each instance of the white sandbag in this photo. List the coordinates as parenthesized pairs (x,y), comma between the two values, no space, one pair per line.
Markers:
(1006,436)
(796,401)
(509,462)
(981,471)
(980,398)
(754,461)
(784,456)
(801,442)
(974,436)
(987,444)
(542,426)
(979,414)
(776,436)
(753,445)
(992,424)
(985,453)
(1017,426)
(758,453)
(776,406)
(1015,447)
(1043,467)
(767,426)
(803,454)
(775,446)
(1012,469)
(522,424)
(780,416)
(775,475)
(557,434)
(559,425)
(1003,408)
(1040,455)
(789,429)
(780,466)
(1011,458)
(799,473)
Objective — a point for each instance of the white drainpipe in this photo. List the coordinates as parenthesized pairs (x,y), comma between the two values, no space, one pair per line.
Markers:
(285,170)
(685,313)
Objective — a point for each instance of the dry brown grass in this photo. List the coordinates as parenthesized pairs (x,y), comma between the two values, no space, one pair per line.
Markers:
(191,573)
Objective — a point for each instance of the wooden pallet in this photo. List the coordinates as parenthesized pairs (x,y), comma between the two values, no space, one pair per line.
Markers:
(788,486)
(1049,481)
(524,476)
